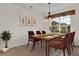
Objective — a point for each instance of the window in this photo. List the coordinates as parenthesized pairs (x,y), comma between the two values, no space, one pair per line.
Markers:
(60,24)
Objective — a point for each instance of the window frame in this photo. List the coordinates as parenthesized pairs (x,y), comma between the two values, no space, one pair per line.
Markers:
(59,25)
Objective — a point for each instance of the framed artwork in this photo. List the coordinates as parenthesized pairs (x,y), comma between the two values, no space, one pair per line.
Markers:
(22,20)
(27,21)
(34,22)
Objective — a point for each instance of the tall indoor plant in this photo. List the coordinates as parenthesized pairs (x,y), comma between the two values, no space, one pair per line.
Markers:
(6,35)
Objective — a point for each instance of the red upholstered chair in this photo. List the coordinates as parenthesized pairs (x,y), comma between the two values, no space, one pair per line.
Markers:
(31,39)
(30,33)
(72,39)
(61,43)
(73,35)
(43,32)
(39,33)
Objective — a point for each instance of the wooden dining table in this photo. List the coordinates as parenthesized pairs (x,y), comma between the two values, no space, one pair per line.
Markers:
(46,38)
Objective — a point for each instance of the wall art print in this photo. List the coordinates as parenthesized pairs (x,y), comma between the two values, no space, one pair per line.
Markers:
(27,21)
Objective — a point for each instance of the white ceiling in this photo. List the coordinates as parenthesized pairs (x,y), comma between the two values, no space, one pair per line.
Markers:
(43,8)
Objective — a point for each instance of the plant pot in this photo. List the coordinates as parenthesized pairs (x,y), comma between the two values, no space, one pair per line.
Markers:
(5,49)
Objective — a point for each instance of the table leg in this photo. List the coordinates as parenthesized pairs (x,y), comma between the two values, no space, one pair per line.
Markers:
(47,47)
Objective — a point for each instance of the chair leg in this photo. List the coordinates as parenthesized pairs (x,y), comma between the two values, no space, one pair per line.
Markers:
(48,50)
(55,49)
(72,46)
(41,44)
(64,52)
(28,44)
(37,43)
(73,43)
(33,47)
(43,41)
(68,50)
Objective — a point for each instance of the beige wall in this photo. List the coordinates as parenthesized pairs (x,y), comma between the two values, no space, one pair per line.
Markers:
(75,24)
(9,20)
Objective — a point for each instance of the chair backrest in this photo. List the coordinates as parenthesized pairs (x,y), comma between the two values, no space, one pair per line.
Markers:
(30,33)
(64,41)
(72,36)
(43,32)
(67,38)
(38,32)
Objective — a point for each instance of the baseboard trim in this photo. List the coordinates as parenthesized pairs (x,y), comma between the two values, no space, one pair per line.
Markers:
(76,46)
(20,45)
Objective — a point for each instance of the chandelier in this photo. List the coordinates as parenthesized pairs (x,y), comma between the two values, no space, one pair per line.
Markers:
(49,11)
(48,17)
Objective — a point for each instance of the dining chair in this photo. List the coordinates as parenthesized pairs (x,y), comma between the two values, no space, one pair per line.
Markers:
(30,33)
(43,32)
(31,39)
(61,43)
(72,40)
(39,33)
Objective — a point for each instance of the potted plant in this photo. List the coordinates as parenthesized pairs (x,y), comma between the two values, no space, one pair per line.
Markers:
(6,35)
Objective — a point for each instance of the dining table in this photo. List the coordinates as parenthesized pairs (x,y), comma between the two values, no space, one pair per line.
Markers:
(47,38)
